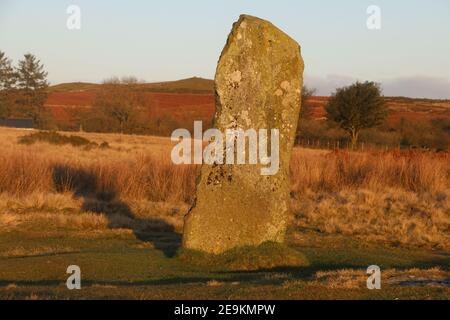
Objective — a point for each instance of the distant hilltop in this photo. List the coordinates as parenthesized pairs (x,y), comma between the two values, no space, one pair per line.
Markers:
(190,85)
(206,86)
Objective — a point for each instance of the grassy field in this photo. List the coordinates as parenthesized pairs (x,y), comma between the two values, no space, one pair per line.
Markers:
(117,212)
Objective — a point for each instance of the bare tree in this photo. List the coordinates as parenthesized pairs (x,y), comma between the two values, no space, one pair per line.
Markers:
(121,101)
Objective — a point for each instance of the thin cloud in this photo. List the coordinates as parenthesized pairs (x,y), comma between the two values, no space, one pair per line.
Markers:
(325,86)
(413,86)
(418,87)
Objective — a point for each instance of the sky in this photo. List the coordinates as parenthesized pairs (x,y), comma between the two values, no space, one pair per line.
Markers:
(175,39)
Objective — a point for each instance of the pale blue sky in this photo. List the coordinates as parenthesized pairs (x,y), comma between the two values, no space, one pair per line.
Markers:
(168,40)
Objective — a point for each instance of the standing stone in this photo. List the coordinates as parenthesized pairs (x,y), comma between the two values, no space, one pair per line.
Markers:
(258,86)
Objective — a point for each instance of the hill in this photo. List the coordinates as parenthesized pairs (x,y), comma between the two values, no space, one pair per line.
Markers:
(399,107)
(190,85)
(72,87)
(187,100)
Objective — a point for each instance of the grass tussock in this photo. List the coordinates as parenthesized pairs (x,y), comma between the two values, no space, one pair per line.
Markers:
(21,252)
(154,177)
(393,216)
(140,177)
(357,279)
(267,256)
(415,171)
(8,221)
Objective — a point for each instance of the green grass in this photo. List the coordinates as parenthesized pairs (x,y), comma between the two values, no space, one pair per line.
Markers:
(269,255)
(117,265)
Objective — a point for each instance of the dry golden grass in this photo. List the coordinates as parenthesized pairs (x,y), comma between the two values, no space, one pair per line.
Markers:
(402,198)
(335,171)
(35,251)
(140,168)
(393,216)
(8,220)
(354,279)
(137,169)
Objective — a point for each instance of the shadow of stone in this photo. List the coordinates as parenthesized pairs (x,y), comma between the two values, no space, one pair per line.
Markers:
(252,279)
(83,184)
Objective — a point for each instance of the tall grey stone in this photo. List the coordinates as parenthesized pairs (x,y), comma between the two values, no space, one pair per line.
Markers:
(258,86)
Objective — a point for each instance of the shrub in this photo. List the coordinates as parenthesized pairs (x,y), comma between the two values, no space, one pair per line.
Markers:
(104,145)
(425,134)
(357,107)
(54,138)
